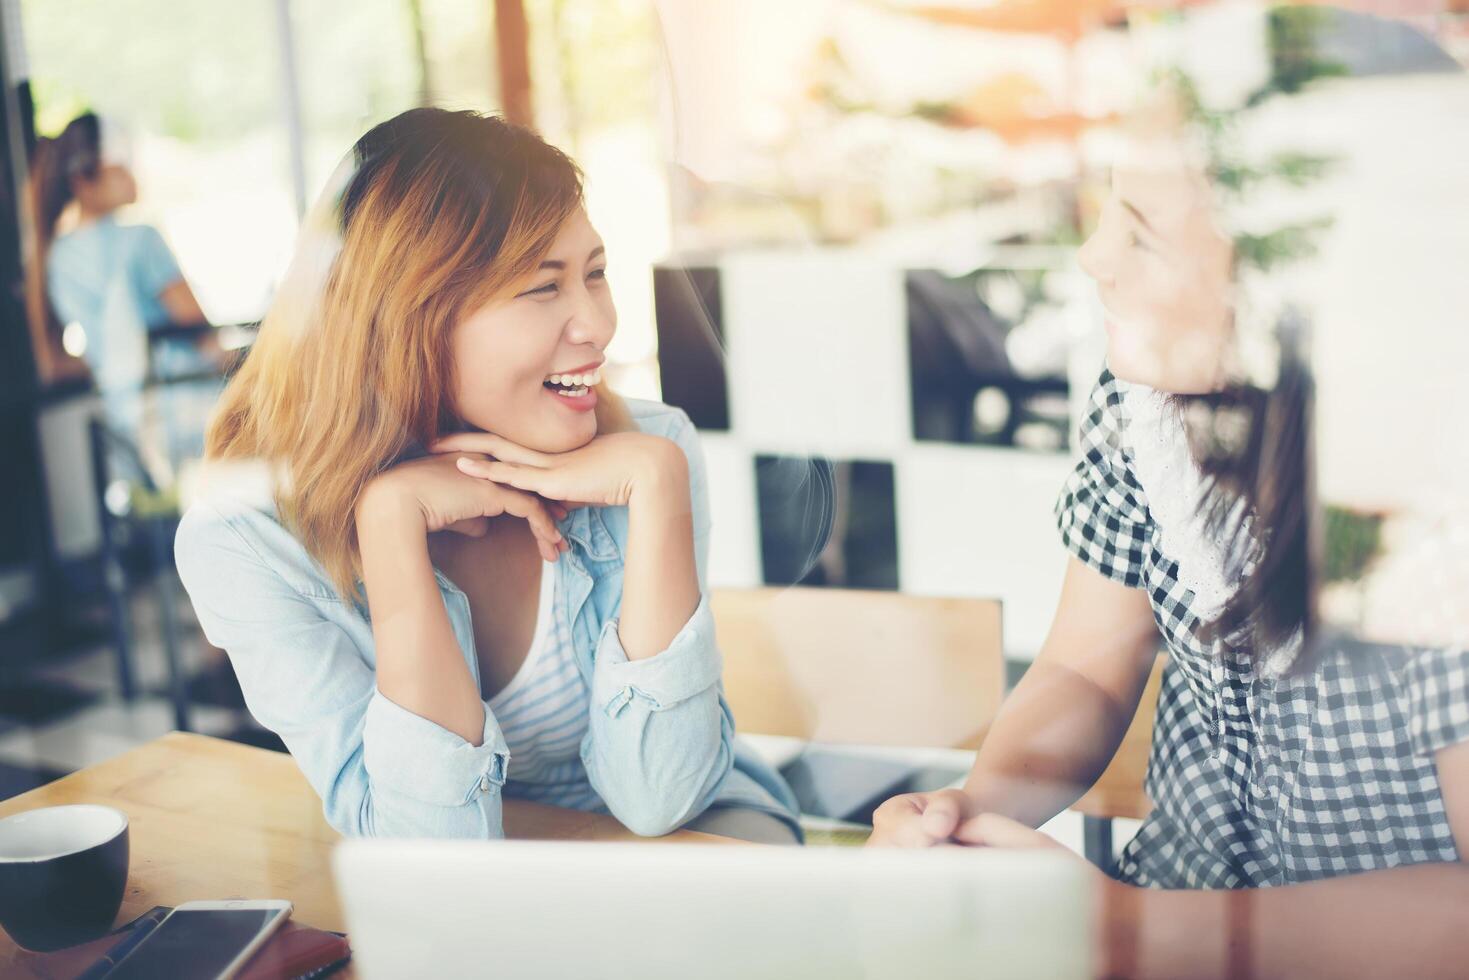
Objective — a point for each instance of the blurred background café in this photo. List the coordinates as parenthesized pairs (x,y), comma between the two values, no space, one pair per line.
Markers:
(843,238)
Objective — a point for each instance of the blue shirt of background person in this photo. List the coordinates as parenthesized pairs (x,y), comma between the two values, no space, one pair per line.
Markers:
(118,283)
(82,265)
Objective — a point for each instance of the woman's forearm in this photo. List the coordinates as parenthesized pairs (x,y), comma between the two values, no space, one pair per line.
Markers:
(660,586)
(1062,724)
(1403,922)
(1039,759)
(419,664)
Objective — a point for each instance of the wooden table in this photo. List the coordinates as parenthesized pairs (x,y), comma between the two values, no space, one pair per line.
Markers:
(210,819)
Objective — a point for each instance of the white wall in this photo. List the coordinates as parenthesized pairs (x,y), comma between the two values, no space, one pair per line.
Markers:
(817,363)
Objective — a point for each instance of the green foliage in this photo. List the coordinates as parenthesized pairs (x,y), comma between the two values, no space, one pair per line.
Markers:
(193,71)
(1292,169)
(1288,244)
(1294,62)
(594,64)
(1352,540)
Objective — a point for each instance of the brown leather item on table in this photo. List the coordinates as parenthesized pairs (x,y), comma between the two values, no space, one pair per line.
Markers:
(296,951)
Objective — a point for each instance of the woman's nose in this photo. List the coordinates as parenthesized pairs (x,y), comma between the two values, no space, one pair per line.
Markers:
(592,324)
(1092,256)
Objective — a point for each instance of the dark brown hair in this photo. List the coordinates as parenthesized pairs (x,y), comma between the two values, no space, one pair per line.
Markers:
(1255,446)
(55,163)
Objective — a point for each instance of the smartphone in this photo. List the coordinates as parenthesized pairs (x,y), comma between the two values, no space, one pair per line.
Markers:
(203,940)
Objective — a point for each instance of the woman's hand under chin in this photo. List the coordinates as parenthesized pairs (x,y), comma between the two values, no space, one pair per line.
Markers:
(610,471)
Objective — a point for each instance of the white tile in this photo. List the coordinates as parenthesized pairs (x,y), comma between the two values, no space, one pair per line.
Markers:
(977,522)
(734,550)
(146,718)
(104,731)
(66,747)
(66,458)
(94,671)
(1067,828)
(818,352)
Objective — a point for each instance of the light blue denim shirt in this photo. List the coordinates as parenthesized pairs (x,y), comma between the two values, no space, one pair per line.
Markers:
(660,747)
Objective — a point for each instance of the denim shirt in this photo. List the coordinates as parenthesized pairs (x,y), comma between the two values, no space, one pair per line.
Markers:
(660,746)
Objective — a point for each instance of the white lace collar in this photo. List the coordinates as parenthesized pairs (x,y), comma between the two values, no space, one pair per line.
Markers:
(1174,488)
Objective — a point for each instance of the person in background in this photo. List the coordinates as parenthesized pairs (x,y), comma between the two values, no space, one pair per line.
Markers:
(105,286)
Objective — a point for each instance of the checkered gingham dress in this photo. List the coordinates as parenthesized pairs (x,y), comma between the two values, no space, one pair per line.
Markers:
(1257,781)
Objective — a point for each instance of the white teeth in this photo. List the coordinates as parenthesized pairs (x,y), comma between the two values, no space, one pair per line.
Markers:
(574,393)
(588,380)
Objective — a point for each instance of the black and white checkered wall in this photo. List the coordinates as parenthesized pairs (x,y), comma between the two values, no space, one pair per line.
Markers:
(819,375)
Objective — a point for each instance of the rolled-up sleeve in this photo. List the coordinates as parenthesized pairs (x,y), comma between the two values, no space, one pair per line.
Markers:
(661,740)
(690,667)
(397,743)
(380,770)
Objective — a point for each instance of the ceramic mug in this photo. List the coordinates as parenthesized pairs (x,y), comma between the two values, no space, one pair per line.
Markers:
(63,870)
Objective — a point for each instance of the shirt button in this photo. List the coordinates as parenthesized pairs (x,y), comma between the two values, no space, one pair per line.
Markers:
(484,784)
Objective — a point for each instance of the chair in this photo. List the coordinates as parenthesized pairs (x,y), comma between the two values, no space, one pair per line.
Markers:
(152,515)
(885,669)
(856,667)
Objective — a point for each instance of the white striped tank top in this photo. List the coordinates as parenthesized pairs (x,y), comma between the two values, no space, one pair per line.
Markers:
(543,714)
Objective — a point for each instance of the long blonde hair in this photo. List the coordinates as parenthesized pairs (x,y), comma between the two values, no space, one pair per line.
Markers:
(443,212)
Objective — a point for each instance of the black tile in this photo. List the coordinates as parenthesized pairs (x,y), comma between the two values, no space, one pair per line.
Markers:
(249,734)
(825,522)
(213,684)
(36,702)
(15,780)
(1014,670)
(688,311)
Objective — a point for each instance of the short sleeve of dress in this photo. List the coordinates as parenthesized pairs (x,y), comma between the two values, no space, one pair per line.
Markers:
(153,265)
(1101,512)
(1438,699)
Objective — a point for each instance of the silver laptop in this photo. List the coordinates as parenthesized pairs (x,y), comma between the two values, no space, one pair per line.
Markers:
(659,911)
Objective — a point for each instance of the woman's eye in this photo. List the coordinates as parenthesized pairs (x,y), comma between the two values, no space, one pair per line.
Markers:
(598,274)
(546,290)
(1135,241)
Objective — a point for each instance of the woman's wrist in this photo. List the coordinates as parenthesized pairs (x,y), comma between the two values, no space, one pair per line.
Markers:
(661,477)
(383,509)
(381,498)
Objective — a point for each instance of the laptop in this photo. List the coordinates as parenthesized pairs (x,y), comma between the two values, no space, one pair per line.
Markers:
(664,911)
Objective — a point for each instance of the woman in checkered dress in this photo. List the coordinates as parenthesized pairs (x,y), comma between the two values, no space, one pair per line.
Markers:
(1311,803)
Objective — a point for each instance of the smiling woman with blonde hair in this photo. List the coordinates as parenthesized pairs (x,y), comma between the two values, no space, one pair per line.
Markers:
(476,572)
